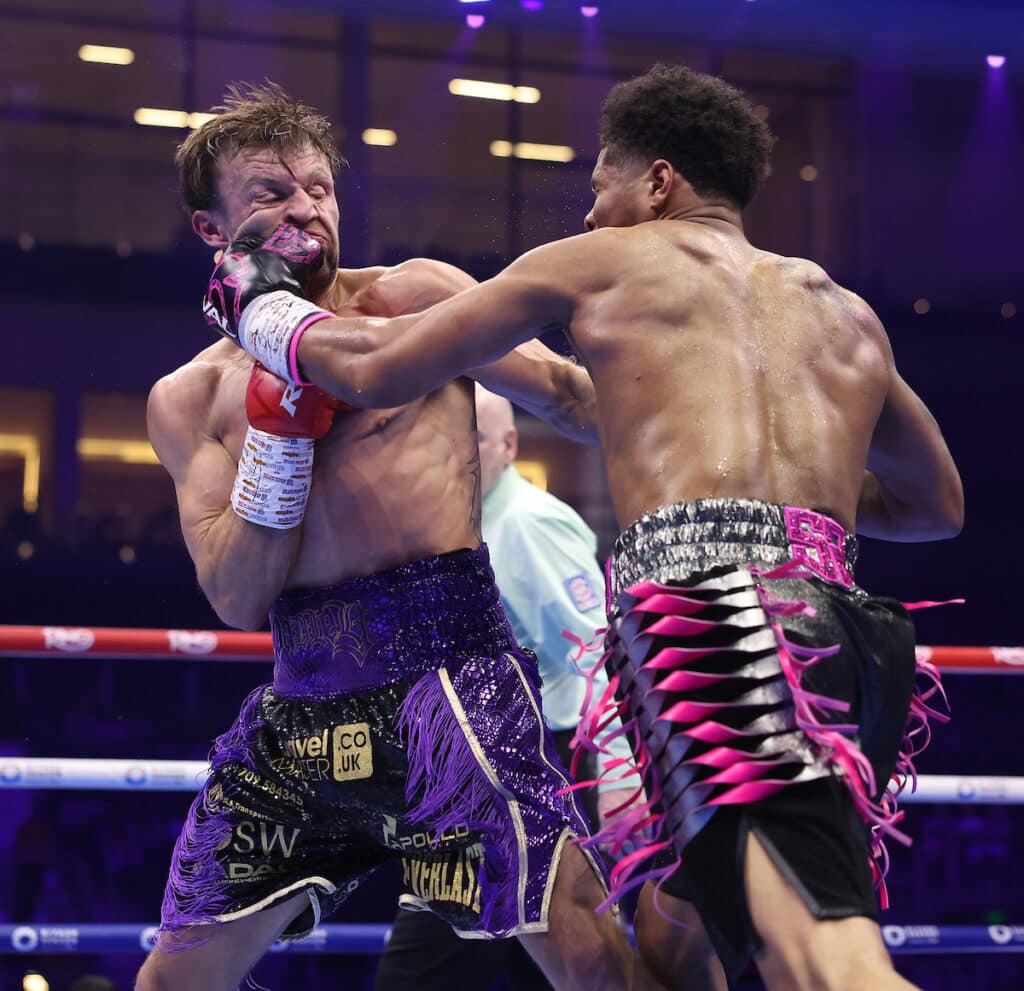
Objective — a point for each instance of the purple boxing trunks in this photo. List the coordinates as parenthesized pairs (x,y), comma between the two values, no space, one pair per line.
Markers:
(764,692)
(403,722)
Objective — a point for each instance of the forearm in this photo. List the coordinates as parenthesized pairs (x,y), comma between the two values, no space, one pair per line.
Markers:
(578,412)
(548,385)
(912,489)
(901,508)
(242,567)
(371,362)
(362,361)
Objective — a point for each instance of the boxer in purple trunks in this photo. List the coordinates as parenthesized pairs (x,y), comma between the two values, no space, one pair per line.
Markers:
(403,722)
(752,419)
(406,684)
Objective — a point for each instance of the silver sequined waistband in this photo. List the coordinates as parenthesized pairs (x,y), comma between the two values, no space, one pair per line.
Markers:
(688,538)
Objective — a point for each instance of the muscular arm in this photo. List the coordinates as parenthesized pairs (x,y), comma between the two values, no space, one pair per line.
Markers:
(241,567)
(378,363)
(912,489)
(548,385)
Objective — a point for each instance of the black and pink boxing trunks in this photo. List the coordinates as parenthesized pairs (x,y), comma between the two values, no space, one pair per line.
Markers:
(764,692)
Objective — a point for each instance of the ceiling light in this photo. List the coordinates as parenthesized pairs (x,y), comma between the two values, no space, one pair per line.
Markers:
(106,55)
(379,136)
(133,452)
(534,152)
(154,117)
(483,90)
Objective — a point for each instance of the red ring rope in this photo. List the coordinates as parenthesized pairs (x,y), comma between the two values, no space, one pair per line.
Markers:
(232,645)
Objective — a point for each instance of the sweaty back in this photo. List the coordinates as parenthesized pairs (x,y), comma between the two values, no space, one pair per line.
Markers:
(723,370)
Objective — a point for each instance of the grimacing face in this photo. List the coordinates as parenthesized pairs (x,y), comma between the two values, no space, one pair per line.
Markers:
(261,189)
(618,195)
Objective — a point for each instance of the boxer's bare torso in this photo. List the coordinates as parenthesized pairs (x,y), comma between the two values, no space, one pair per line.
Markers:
(388,485)
(723,370)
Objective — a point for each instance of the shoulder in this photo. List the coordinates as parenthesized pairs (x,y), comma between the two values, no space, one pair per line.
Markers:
(584,263)
(409,287)
(187,401)
(865,322)
(353,280)
(200,378)
(431,268)
(800,271)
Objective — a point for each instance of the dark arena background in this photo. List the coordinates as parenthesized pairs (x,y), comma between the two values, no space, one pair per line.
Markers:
(898,167)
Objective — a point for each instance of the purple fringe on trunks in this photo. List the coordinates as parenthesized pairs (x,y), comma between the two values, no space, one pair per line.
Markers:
(447,787)
(193,896)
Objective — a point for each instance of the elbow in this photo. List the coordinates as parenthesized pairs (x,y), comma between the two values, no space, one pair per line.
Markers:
(945,522)
(369,385)
(953,513)
(234,609)
(375,385)
(240,615)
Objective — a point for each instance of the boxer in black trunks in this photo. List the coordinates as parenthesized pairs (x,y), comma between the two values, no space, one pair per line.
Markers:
(723,373)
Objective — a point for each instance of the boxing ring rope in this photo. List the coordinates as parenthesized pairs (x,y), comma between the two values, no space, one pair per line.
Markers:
(188,775)
(231,645)
(120,774)
(35,939)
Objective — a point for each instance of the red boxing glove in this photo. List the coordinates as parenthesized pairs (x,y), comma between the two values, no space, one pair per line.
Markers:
(278,407)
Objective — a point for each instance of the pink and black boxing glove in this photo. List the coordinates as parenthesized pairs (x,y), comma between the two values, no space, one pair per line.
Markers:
(275,470)
(257,295)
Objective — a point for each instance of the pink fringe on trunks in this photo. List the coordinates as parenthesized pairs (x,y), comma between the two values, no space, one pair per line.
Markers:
(740,775)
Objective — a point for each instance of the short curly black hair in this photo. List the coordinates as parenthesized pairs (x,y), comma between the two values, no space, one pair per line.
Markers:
(252,115)
(706,128)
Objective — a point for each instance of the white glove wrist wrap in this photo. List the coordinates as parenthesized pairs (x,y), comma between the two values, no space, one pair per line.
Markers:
(273,479)
(270,329)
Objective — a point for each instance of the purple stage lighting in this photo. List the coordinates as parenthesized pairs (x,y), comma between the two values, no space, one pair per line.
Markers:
(531,4)
(996,61)
(589,11)
(475,20)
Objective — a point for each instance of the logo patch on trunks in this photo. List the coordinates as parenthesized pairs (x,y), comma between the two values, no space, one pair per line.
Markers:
(451,877)
(353,755)
(582,592)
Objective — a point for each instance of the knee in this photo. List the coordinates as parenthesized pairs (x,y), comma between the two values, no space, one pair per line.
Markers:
(675,947)
(150,976)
